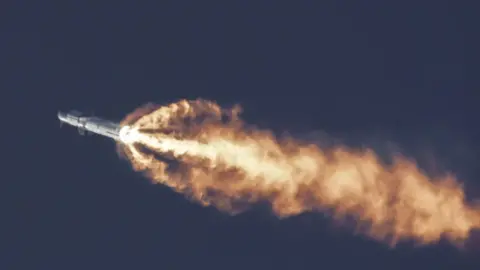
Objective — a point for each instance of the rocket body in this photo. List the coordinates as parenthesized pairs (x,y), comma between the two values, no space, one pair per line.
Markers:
(91,124)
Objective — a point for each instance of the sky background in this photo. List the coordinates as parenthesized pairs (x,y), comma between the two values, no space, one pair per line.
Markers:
(367,72)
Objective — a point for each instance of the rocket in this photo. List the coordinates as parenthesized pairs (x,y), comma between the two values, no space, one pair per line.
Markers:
(90,124)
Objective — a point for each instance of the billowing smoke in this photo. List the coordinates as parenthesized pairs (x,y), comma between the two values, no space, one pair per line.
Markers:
(213,157)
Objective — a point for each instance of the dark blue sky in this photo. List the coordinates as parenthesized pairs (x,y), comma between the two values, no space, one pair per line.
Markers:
(386,71)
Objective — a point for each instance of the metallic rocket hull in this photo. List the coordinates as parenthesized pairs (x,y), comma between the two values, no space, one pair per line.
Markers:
(91,124)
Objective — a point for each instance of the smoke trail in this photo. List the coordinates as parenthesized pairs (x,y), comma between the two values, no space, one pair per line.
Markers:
(227,164)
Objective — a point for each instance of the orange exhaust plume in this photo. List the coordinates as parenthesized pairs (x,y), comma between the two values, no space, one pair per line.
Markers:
(222,162)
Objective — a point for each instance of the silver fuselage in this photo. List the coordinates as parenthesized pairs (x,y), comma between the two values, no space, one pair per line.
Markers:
(92,124)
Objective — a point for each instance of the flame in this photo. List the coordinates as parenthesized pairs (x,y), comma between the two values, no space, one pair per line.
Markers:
(222,162)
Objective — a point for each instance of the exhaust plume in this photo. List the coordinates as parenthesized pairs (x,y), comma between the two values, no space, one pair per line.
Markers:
(209,154)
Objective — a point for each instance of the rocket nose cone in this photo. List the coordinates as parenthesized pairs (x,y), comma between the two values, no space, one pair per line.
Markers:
(61,115)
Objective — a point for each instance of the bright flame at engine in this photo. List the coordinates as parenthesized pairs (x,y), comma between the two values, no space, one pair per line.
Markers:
(224,163)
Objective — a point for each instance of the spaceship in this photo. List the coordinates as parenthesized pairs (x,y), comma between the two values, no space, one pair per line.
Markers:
(90,124)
